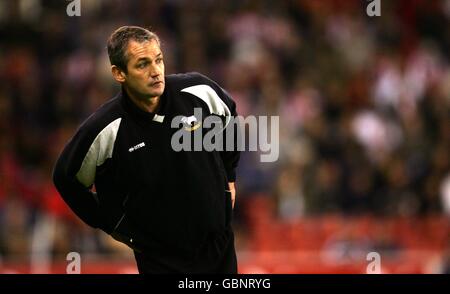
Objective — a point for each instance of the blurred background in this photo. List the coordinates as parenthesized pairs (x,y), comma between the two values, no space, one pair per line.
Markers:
(364,107)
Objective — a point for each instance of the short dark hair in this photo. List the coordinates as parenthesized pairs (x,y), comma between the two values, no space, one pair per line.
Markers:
(118,42)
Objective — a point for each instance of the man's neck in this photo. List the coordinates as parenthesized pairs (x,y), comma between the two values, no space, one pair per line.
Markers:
(147,104)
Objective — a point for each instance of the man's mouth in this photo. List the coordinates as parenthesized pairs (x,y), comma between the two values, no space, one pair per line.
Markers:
(156,83)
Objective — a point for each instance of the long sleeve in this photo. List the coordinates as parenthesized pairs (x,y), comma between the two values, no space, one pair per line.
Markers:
(231,158)
(77,195)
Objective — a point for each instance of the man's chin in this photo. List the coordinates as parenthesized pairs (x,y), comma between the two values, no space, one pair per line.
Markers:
(153,94)
(156,92)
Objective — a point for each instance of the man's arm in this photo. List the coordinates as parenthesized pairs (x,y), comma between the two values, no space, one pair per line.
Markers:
(230,158)
(78,196)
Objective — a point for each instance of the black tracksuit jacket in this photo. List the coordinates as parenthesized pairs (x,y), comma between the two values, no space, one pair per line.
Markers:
(167,204)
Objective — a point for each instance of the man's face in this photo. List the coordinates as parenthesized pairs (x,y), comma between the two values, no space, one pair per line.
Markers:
(145,69)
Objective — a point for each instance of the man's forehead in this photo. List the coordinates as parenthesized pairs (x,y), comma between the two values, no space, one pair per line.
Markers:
(143,49)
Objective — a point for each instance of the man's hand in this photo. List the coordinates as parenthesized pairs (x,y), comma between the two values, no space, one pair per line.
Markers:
(232,188)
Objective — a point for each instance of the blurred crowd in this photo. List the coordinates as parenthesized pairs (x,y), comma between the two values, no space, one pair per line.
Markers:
(364,102)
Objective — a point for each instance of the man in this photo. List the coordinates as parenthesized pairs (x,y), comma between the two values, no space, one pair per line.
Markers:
(173,208)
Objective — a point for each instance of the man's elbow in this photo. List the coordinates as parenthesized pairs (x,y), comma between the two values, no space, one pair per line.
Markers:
(59,176)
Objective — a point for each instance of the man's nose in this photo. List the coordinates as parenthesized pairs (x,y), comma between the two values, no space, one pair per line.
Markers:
(154,71)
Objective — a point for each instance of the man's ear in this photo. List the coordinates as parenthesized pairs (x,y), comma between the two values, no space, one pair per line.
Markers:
(118,74)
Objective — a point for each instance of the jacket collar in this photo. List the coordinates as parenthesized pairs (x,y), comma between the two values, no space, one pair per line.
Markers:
(137,112)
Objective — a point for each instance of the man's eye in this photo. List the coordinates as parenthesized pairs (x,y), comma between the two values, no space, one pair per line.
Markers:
(142,65)
(159,60)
